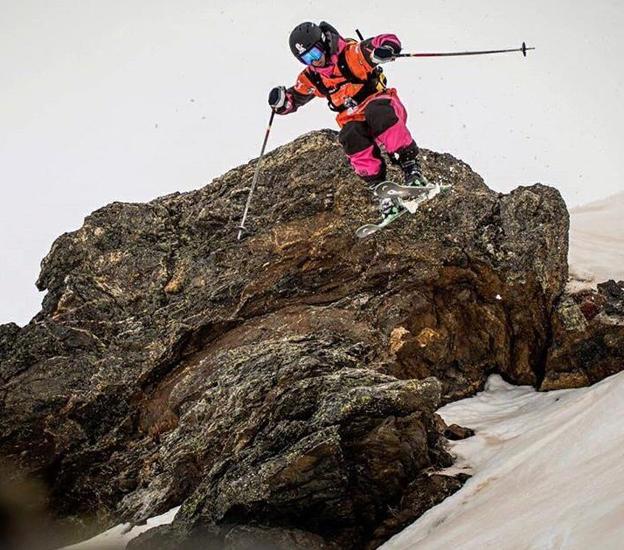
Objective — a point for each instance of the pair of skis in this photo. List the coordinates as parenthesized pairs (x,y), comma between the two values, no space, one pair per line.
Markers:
(407,198)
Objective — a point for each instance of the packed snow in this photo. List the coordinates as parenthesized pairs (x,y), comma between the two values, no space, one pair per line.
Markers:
(597,241)
(118,537)
(548,472)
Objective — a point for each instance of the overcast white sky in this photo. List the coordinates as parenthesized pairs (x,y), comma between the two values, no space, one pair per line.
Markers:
(128,100)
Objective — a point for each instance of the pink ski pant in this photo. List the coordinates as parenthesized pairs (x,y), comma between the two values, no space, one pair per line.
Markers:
(383,125)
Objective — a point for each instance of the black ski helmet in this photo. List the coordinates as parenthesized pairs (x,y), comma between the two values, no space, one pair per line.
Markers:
(303,37)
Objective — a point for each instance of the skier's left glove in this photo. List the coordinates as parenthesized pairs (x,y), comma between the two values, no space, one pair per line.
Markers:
(385,53)
(278,99)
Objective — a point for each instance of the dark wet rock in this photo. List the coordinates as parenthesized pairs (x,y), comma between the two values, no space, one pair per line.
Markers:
(455,432)
(613,294)
(296,433)
(588,338)
(423,493)
(8,335)
(287,381)
(240,537)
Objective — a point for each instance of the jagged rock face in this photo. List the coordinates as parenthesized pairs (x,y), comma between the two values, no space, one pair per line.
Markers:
(284,379)
(588,337)
(296,434)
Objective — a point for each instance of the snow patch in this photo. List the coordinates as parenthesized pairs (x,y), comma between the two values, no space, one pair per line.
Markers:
(548,472)
(118,537)
(597,242)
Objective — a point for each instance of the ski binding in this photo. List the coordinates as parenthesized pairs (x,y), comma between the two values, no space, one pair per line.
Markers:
(409,198)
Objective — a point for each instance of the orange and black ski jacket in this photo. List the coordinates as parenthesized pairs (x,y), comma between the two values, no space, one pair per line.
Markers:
(348,81)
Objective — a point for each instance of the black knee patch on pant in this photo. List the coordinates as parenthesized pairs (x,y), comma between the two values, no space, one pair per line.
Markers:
(355,137)
(380,116)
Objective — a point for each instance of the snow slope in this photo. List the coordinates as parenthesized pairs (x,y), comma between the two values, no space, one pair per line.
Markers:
(597,241)
(548,472)
(118,537)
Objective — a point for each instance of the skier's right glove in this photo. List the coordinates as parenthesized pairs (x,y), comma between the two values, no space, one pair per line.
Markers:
(278,100)
(385,53)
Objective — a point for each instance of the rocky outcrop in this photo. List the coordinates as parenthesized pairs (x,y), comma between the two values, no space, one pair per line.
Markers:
(282,387)
(588,337)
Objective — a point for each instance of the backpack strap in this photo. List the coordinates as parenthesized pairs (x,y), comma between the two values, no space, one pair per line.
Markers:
(316,79)
(375,82)
(346,70)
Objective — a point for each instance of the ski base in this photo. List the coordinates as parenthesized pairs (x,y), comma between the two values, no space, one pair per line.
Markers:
(370,228)
(391,189)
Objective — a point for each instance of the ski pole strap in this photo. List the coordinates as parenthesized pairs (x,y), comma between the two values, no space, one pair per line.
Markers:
(241,227)
(523,49)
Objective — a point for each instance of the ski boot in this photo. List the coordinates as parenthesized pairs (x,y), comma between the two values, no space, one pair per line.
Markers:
(408,161)
(389,209)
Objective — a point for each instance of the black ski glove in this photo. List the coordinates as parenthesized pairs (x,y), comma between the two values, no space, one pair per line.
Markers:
(385,53)
(277,98)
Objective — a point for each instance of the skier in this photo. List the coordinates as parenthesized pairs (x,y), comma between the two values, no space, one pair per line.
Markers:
(370,115)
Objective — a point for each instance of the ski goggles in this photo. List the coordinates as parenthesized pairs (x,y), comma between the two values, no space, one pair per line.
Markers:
(313,54)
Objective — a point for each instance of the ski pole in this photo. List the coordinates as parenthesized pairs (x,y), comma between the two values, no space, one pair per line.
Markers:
(523,49)
(241,228)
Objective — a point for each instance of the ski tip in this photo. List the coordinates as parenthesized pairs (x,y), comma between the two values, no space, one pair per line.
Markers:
(366,231)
